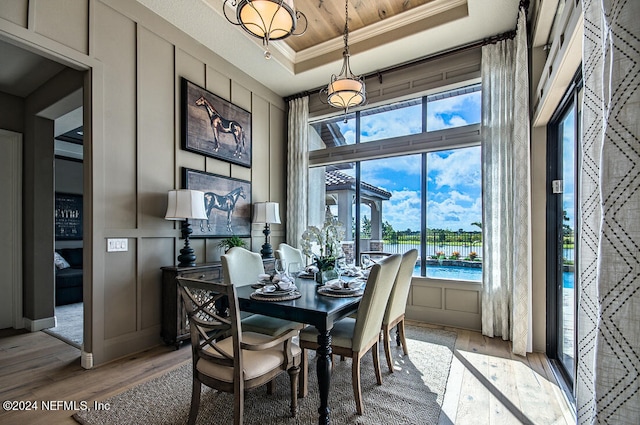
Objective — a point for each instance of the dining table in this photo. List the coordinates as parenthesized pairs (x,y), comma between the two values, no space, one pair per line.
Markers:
(314,309)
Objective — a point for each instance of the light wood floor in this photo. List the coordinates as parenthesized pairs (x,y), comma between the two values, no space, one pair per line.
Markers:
(487,384)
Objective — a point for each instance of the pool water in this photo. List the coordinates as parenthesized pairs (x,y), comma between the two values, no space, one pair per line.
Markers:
(473,274)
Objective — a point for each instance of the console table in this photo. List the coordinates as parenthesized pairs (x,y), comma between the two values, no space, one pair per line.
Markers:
(175,327)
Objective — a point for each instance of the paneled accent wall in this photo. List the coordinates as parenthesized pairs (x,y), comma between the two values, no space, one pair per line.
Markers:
(134,61)
(445,303)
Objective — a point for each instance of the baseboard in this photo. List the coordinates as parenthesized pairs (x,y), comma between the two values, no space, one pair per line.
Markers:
(39,324)
(86,360)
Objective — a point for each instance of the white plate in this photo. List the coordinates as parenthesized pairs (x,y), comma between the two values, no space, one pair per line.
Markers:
(341,290)
(277,293)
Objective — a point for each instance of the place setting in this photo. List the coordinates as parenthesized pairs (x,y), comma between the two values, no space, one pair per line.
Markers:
(342,288)
(277,287)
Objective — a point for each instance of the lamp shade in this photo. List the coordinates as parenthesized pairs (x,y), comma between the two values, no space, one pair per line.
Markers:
(274,19)
(346,92)
(266,212)
(184,204)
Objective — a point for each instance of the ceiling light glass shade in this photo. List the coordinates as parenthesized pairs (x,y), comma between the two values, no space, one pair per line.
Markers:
(262,17)
(346,92)
(266,19)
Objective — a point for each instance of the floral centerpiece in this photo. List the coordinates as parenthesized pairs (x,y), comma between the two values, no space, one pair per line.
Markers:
(323,245)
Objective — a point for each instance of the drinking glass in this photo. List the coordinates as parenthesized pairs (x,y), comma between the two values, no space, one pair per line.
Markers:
(280,266)
(365,261)
(295,269)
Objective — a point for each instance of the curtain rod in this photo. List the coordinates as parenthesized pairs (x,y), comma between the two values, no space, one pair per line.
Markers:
(378,73)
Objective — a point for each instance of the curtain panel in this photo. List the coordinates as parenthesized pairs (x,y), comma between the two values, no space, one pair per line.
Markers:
(297,169)
(506,218)
(607,379)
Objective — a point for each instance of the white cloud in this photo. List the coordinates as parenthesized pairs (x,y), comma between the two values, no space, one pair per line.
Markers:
(461,167)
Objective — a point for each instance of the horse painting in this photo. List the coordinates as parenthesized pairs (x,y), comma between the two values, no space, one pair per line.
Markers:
(220,124)
(225,203)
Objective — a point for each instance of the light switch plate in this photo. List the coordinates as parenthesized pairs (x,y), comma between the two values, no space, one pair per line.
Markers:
(117,245)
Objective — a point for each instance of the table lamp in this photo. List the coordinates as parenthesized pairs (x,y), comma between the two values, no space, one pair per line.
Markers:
(267,213)
(185,204)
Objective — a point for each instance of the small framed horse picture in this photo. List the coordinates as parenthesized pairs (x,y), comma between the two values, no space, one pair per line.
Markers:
(227,202)
(214,127)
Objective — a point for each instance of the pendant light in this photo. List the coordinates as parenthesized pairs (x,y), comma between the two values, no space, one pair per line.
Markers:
(266,19)
(345,89)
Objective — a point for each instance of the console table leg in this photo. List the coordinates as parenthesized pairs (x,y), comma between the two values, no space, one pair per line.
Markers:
(323,369)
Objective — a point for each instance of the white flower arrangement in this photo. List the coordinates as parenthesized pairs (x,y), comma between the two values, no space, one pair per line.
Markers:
(327,240)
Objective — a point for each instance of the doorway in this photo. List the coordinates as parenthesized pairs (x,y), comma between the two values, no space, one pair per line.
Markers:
(36,93)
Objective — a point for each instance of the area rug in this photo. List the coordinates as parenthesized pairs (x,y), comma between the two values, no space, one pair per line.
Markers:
(411,395)
(69,319)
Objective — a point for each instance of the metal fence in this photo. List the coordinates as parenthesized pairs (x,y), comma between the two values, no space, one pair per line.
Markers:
(463,245)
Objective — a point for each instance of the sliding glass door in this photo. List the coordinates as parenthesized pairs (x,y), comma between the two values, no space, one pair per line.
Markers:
(562,226)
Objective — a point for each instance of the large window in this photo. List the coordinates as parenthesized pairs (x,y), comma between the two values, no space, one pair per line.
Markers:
(429,199)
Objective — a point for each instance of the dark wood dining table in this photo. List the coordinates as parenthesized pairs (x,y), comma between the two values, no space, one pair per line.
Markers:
(313,309)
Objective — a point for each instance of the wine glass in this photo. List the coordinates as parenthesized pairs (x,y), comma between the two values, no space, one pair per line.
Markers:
(294,269)
(365,261)
(280,266)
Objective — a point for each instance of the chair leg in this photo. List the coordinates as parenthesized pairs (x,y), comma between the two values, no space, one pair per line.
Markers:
(196,386)
(294,373)
(376,362)
(302,382)
(387,347)
(238,412)
(271,386)
(403,338)
(355,381)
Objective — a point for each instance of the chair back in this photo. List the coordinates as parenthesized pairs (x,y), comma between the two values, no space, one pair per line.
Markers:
(398,299)
(290,254)
(208,325)
(241,267)
(374,300)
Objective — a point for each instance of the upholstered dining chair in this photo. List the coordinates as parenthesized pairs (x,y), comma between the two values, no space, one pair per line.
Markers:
(241,267)
(355,337)
(227,358)
(290,254)
(397,305)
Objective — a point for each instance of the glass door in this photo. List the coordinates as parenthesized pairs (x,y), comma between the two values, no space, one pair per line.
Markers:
(563,223)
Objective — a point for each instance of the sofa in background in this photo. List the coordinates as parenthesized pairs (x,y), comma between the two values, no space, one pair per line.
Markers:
(69,279)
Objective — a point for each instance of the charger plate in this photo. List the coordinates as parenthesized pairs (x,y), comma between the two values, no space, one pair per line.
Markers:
(329,292)
(285,297)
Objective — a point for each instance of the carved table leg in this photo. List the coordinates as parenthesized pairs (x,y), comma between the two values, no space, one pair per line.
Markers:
(323,369)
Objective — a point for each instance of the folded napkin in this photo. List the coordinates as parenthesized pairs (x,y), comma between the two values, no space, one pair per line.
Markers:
(337,284)
(280,283)
(352,272)
(265,277)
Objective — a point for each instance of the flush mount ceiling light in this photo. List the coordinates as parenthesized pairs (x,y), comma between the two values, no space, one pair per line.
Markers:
(266,19)
(345,89)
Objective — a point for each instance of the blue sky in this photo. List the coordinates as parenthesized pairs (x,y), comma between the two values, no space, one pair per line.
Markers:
(453,180)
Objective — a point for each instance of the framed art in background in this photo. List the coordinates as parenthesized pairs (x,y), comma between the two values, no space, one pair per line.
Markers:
(213,127)
(227,202)
(68,217)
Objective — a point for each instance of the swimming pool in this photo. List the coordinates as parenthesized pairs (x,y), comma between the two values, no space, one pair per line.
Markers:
(473,274)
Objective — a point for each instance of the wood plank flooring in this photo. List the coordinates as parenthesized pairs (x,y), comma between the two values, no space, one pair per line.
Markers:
(487,383)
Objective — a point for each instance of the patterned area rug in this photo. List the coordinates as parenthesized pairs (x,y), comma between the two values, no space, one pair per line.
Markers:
(411,395)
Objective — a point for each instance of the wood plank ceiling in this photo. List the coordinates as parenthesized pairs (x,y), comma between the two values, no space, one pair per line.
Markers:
(326,17)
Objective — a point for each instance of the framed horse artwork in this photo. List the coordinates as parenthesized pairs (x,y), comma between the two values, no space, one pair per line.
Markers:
(214,127)
(227,202)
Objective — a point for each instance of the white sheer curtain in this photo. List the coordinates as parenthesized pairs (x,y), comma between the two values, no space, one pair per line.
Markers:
(506,219)
(607,380)
(297,169)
